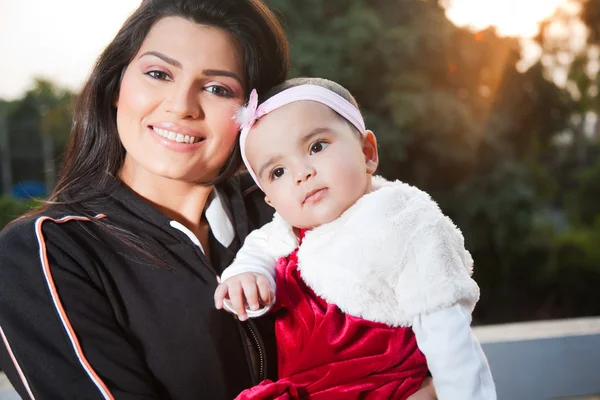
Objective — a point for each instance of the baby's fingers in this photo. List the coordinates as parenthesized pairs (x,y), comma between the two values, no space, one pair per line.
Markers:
(251,293)
(220,294)
(236,295)
(265,290)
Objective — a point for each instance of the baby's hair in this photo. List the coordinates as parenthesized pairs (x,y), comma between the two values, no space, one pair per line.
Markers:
(325,83)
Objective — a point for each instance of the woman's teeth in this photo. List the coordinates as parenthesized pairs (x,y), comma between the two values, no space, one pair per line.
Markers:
(176,137)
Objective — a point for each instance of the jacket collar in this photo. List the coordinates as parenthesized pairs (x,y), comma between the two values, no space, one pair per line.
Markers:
(220,217)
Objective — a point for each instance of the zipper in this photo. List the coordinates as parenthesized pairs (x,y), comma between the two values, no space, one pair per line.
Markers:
(261,357)
(194,239)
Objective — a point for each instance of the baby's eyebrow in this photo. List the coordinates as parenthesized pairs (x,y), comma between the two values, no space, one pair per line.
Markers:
(303,139)
(268,163)
(308,136)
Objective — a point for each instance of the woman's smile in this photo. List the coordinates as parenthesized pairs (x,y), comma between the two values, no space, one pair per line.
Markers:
(177,137)
(176,142)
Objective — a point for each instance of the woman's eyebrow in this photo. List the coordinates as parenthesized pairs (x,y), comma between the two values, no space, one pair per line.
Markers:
(219,72)
(207,72)
(163,57)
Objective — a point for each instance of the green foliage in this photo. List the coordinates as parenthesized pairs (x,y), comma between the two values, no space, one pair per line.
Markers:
(455,117)
(43,110)
(585,198)
(574,274)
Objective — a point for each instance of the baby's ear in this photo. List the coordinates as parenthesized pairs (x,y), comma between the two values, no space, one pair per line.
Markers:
(370,151)
(268,201)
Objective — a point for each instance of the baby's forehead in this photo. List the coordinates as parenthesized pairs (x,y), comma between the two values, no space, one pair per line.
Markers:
(295,120)
(287,125)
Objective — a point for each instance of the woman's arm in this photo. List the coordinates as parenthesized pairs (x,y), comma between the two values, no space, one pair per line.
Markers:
(60,333)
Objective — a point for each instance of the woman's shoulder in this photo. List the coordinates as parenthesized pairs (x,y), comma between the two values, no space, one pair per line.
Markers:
(24,226)
(23,235)
(49,242)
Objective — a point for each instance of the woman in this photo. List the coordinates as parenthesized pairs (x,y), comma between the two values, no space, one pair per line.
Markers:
(107,292)
(121,307)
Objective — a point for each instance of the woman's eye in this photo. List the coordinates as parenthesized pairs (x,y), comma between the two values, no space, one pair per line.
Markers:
(277,173)
(317,147)
(219,91)
(160,75)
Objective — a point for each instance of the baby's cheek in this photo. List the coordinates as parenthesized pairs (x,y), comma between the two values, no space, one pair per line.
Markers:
(278,202)
(287,215)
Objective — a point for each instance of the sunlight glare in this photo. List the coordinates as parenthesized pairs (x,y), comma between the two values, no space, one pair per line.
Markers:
(518,18)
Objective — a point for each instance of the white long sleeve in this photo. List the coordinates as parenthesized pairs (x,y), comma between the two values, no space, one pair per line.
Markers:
(259,254)
(454,355)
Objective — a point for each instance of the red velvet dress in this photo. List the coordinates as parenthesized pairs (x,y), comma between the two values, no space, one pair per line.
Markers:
(326,354)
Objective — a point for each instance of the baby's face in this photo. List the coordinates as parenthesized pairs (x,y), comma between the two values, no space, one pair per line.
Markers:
(311,164)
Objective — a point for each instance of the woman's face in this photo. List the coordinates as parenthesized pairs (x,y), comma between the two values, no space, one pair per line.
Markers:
(176,102)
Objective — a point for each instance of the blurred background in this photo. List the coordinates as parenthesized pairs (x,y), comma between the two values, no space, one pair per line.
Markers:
(489,105)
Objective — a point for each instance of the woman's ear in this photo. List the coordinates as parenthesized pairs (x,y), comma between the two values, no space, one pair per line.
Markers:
(369,149)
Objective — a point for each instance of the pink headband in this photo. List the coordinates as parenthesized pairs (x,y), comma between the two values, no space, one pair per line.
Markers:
(249,114)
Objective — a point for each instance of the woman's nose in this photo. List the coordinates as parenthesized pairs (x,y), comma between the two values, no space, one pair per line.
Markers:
(184,102)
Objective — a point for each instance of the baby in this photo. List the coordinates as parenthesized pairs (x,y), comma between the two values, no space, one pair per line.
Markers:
(373,282)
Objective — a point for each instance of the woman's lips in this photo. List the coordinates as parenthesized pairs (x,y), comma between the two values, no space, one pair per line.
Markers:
(177,137)
(186,143)
(177,133)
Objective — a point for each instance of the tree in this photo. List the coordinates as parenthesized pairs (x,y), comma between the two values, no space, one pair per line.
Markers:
(42,113)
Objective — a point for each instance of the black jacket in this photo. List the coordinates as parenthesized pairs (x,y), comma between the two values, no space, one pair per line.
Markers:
(84,316)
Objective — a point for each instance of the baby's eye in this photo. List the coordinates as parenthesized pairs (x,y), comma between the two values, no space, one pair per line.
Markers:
(277,173)
(220,91)
(318,146)
(159,75)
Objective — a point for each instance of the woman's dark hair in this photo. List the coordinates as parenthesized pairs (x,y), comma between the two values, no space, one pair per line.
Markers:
(94,153)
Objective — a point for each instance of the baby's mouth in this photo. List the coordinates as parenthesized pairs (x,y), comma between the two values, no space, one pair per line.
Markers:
(314,195)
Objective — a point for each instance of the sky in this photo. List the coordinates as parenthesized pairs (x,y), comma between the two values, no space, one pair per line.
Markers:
(511,17)
(60,39)
(56,39)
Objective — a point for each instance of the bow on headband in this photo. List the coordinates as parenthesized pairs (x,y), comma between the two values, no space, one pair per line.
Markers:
(246,116)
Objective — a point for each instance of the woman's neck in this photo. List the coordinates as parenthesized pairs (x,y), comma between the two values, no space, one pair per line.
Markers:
(181,201)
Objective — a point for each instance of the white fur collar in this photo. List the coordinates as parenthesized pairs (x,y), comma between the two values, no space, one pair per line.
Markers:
(390,257)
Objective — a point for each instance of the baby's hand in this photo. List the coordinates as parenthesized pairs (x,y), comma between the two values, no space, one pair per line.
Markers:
(247,289)
(425,392)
